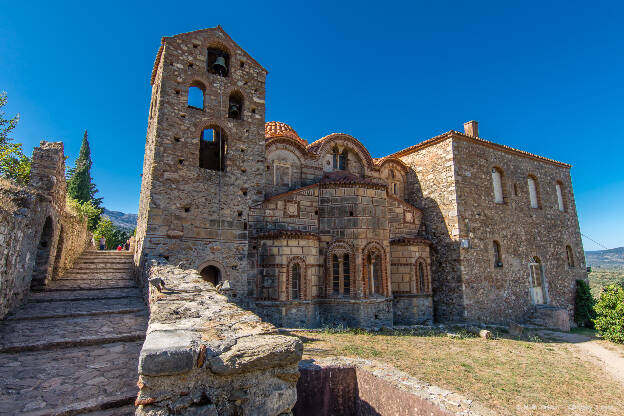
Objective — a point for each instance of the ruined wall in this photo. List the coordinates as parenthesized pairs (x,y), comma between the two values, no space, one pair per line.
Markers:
(431,187)
(499,294)
(205,355)
(39,238)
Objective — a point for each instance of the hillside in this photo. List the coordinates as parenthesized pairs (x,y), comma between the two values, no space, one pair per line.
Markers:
(605,258)
(120,219)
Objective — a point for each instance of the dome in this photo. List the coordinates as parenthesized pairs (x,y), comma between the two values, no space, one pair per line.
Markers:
(278,129)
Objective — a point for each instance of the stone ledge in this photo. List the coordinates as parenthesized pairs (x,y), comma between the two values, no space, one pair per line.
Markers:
(202,350)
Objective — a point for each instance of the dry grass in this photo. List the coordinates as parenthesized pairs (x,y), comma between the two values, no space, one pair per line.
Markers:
(512,377)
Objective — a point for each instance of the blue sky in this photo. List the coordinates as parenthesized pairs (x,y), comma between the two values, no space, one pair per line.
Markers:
(545,77)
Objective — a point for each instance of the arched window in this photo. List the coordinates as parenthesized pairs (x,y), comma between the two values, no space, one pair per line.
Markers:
(196,95)
(235,106)
(533,192)
(339,266)
(570,256)
(336,275)
(346,275)
(212,148)
(295,282)
(421,278)
(498,259)
(374,273)
(560,201)
(497,183)
(218,62)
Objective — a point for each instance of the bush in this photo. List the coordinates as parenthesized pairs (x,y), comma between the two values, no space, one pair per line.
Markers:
(114,235)
(609,320)
(584,305)
(87,210)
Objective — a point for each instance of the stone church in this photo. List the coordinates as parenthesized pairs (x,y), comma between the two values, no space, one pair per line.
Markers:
(313,233)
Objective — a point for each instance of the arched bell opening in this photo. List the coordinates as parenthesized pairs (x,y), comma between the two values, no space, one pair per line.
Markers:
(235,106)
(42,259)
(211,274)
(218,62)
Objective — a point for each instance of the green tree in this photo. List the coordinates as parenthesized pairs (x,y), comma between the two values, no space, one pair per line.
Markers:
(114,235)
(14,164)
(87,210)
(584,305)
(609,320)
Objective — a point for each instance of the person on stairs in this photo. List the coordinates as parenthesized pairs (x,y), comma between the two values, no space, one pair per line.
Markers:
(102,243)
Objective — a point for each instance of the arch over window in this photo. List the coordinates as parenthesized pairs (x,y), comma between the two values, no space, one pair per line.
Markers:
(570,256)
(212,148)
(374,270)
(498,257)
(497,184)
(218,62)
(533,191)
(196,93)
(560,201)
(235,105)
(340,263)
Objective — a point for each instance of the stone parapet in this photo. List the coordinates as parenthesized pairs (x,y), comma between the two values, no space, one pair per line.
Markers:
(205,355)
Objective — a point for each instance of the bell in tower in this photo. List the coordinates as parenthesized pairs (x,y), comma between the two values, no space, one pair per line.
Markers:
(235,107)
(219,66)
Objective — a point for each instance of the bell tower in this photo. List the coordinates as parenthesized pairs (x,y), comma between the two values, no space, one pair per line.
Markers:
(204,155)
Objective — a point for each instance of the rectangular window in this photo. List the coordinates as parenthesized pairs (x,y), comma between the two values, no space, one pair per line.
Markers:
(560,204)
(336,275)
(346,275)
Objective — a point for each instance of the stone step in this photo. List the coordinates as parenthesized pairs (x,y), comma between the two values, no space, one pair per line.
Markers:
(103,266)
(98,380)
(45,334)
(111,253)
(81,284)
(97,274)
(75,308)
(84,294)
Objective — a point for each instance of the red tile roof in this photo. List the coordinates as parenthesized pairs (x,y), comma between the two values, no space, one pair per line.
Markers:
(279,129)
(342,177)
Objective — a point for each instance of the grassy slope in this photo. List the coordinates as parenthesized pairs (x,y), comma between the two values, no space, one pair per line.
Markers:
(510,376)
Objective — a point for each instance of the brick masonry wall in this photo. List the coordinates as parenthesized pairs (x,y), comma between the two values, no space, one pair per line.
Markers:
(494,294)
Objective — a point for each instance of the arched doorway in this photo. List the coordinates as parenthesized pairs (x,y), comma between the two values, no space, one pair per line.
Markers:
(211,274)
(40,270)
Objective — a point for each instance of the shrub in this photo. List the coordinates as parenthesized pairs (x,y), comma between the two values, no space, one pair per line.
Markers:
(114,235)
(610,314)
(87,210)
(584,305)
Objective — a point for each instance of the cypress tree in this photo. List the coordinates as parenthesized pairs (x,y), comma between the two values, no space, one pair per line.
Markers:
(79,184)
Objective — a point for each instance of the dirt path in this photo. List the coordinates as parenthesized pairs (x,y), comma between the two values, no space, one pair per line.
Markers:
(611,361)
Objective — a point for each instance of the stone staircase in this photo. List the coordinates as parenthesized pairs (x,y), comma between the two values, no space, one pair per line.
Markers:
(74,347)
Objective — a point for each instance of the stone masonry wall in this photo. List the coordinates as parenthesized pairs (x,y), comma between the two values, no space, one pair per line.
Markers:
(431,187)
(495,294)
(39,238)
(206,356)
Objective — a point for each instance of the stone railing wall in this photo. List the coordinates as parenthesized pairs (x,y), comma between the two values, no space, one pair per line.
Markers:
(39,237)
(204,355)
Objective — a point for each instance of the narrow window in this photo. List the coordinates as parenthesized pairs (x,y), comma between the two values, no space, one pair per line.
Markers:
(374,264)
(336,275)
(570,256)
(212,149)
(296,281)
(421,278)
(560,203)
(342,160)
(395,189)
(497,183)
(346,276)
(196,96)
(218,62)
(498,260)
(335,154)
(533,192)
(235,107)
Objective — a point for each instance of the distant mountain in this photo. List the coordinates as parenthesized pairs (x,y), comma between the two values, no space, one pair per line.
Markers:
(605,258)
(120,219)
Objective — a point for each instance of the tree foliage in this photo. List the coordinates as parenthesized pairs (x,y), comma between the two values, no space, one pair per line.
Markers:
(584,305)
(114,235)
(609,320)
(14,164)
(87,210)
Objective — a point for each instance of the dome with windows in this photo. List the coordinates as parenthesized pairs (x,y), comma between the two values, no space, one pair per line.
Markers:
(279,129)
